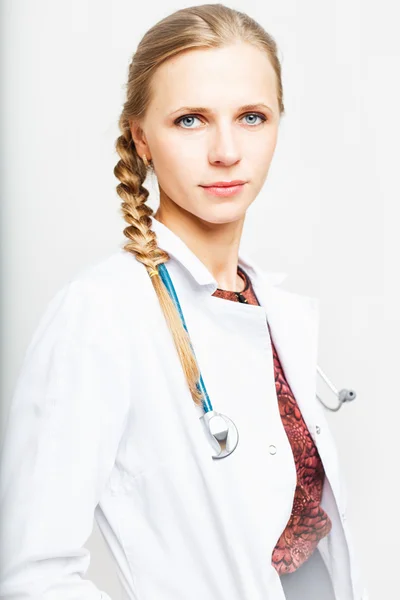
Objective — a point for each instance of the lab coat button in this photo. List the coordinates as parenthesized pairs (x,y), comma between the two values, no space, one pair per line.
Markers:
(318,429)
(272,449)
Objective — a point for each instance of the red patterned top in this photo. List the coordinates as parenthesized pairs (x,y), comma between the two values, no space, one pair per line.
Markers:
(308,522)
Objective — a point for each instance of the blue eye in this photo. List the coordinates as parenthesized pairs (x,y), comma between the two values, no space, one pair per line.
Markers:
(184,117)
(256,115)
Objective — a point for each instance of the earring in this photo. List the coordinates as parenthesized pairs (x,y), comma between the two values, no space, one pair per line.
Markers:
(146,162)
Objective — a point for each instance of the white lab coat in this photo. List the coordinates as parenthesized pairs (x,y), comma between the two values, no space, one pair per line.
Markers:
(102,425)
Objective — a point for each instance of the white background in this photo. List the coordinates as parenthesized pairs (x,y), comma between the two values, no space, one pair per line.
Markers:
(328,214)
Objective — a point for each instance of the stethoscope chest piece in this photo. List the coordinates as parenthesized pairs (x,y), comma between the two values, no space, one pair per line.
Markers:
(221,432)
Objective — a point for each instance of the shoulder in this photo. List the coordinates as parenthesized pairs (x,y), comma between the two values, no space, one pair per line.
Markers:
(108,274)
(95,302)
(273,281)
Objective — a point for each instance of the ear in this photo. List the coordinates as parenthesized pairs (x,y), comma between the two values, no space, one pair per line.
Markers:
(139,138)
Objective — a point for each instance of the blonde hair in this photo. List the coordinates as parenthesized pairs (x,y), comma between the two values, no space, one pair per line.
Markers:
(204,26)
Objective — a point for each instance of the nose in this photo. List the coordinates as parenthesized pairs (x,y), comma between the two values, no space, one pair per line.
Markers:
(224,146)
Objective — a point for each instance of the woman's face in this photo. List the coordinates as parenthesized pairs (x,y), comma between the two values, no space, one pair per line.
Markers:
(192,148)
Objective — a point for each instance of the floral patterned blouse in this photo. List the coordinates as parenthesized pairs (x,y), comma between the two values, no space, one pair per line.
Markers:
(308,522)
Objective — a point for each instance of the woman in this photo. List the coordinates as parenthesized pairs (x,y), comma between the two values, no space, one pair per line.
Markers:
(108,418)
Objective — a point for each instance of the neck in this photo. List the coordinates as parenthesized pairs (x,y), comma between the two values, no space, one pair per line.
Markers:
(215,244)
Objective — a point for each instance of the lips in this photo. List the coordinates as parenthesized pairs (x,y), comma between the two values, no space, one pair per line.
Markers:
(225,183)
(224,191)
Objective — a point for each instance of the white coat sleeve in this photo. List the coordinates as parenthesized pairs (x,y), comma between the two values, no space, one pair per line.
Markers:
(65,421)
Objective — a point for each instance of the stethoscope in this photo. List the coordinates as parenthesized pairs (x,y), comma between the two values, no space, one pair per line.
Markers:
(220,430)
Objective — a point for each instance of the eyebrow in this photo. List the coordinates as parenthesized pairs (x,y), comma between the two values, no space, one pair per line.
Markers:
(207,111)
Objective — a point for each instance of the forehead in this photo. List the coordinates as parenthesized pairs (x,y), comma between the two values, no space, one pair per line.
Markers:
(218,78)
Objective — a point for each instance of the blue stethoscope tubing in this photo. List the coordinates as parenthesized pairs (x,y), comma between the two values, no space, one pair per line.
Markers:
(207,406)
(221,430)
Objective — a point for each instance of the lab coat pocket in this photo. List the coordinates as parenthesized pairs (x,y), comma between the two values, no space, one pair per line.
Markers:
(167,442)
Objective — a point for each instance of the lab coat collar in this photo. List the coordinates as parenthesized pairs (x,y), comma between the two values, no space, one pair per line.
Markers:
(176,247)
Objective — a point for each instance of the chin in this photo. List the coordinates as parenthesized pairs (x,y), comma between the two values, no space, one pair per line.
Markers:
(220,215)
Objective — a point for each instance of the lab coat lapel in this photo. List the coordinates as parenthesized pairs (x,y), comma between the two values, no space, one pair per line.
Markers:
(294,324)
(293,320)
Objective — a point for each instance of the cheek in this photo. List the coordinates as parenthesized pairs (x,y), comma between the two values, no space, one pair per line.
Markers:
(165,152)
(175,159)
(272,141)
(261,155)
(264,145)
(177,179)
(176,166)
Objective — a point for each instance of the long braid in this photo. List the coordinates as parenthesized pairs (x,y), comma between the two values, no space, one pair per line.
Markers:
(131,172)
